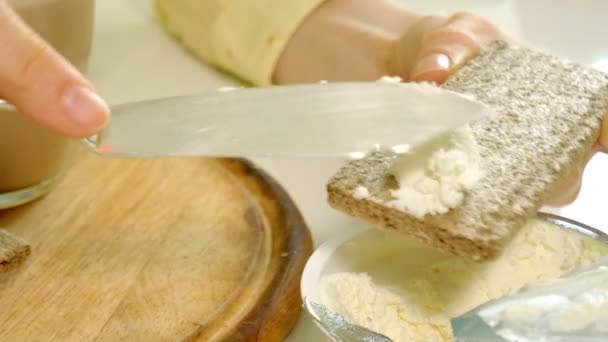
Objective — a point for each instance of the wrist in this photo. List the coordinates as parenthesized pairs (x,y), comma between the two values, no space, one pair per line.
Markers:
(344,40)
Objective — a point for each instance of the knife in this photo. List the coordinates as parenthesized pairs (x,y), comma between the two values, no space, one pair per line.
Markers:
(307,120)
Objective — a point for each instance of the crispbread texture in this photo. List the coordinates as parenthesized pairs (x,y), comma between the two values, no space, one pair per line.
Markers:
(550,114)
(13,251)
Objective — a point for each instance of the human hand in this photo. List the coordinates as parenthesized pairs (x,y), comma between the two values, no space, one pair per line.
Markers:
(374,38)
(434,48)
(42,84)
(344,40)
(569,188)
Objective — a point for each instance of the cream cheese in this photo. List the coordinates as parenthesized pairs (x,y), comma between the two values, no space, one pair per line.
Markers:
(361,192)
(435,177)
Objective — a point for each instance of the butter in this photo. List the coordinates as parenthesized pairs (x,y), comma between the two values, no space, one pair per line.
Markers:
(418,306)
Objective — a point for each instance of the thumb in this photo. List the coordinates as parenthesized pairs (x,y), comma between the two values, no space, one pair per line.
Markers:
(444,50)
(406,51)
(447,48)
(42,84)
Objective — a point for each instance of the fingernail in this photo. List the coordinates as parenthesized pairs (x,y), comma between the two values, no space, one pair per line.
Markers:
(431,63)
(86,108)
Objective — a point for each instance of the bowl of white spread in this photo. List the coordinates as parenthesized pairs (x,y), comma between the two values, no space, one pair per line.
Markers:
(399,287)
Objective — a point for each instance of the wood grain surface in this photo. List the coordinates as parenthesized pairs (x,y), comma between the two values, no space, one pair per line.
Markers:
(156,250)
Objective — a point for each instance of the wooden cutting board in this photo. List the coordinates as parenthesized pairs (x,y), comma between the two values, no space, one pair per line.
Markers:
(156,250)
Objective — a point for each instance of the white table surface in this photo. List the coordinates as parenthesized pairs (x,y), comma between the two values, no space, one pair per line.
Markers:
(134,59)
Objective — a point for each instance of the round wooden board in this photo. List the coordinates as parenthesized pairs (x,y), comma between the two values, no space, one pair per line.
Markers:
(157,250)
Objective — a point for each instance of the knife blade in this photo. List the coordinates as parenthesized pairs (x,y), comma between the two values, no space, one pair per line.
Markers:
(306,120)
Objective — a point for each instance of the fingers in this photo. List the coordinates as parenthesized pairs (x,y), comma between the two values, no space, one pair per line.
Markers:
(42,85)
(447,48)
(568,190)
(603,140)
(570,187)
(406,51)
(434,67)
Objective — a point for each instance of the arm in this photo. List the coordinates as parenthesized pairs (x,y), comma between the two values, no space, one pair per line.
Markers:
(242,37)
(344,40)
(279,41)
(364,40)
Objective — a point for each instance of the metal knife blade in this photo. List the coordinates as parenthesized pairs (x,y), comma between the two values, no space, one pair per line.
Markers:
(308,120)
